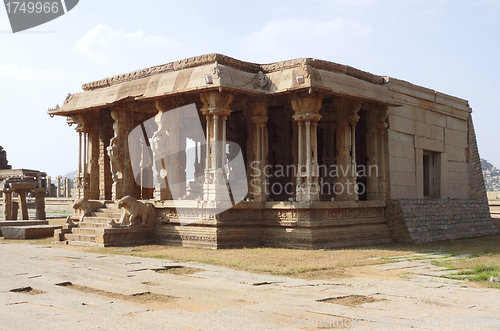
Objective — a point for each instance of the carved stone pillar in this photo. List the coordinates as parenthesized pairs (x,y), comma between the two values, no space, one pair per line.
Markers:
(306,114)
(40,204)
(105,135)
(23,207)
(181,161)
(347,117)
(7,205)
(328,124)
(93,158)
(121,169)
(216,109)
(164,140)
(81,177)
(375,144)
(260,150)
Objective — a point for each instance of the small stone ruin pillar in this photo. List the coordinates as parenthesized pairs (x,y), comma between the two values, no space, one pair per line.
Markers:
(67,187)
(40,204)
(49,186)
(7,205)
(23,207)
(58,186)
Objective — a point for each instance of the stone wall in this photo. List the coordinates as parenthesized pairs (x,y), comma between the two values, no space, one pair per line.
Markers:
(434,220)
(476,179)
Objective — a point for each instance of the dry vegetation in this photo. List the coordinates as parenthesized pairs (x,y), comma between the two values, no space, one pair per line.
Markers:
(319,264)
(323,264)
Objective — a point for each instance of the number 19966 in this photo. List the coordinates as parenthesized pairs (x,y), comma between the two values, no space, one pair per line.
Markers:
(32,7)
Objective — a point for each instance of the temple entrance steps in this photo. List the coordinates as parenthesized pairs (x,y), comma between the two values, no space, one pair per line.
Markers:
(84,234)
(96,230)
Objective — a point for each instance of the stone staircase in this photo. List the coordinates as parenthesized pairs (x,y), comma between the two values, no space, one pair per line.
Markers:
(85,232)
(96,230)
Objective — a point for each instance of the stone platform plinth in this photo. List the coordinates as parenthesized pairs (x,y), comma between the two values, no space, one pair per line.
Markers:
(22,223)
(30,231)
(317,225)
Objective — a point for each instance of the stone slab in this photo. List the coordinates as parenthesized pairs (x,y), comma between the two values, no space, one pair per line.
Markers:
(21,223)
(30,231)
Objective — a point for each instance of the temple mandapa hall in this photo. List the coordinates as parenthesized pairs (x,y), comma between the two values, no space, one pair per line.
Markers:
(332,157)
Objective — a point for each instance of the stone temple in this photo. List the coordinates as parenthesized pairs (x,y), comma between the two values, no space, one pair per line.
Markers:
(334,156)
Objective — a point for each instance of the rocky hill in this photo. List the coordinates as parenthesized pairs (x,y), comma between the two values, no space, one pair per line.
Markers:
(491,176)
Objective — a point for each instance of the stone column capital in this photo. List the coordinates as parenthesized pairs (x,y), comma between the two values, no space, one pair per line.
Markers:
(306,108)
(164,105)
(216,103)
(347,110)
(259,108)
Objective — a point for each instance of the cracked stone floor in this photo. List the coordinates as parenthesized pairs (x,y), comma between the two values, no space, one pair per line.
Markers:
(53,288)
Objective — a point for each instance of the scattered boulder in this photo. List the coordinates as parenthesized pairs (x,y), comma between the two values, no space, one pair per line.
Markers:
(494,279)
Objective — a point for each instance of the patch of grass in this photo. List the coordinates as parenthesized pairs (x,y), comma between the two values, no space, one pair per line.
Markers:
(444,264)
(480,274)
(483,273)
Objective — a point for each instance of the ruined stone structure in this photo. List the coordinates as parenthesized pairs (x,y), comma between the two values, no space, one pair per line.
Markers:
(61,189)
(21,182)
(4,163)
(335,156)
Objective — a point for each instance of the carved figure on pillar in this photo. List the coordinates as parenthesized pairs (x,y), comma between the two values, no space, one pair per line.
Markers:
(163,144)
(115,149)
(123,177)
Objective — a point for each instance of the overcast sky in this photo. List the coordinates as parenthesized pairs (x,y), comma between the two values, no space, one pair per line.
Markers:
(452,46)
